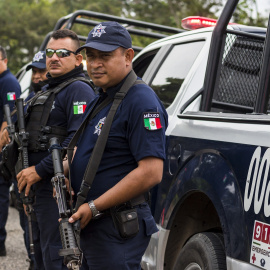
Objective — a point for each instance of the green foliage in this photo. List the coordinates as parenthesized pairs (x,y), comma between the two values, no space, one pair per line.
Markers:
(244,14)
(24,24)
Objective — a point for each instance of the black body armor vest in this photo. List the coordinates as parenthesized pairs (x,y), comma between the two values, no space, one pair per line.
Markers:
(37,116)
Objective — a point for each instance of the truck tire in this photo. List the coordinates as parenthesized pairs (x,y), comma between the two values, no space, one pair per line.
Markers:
(202,251)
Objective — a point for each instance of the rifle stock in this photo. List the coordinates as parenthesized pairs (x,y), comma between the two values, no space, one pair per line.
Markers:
(69,232)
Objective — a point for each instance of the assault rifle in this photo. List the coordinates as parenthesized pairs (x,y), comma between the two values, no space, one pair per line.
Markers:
(22,140)
(69,232)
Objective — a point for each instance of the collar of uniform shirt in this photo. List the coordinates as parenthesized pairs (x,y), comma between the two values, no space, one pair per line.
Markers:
(4,73)
(111,91)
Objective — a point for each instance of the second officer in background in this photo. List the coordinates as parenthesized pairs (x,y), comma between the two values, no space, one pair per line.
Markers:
(56,115)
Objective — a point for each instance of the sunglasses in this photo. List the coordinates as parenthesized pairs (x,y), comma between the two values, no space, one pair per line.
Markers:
(60,53)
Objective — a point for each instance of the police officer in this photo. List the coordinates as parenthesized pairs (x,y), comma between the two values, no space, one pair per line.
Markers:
(56,112)
(39,71)
(133,158)
(9,90)
(38,80)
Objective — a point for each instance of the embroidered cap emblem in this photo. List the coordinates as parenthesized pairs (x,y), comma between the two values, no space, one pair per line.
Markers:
(98,30)
(38,56)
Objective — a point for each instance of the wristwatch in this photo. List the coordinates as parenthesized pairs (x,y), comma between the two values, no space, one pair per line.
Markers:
(95,213)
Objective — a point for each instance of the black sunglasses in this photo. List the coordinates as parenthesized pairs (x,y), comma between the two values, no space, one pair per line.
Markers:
(60,53)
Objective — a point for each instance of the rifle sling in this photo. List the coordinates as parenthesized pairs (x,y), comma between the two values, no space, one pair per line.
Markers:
(99,147)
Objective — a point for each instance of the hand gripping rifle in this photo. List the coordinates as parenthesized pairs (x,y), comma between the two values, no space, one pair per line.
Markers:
(10,150)
(69,231)
(22,140)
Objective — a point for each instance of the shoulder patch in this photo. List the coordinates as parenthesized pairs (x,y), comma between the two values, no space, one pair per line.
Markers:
(79,107)
(11,96)
(151,120)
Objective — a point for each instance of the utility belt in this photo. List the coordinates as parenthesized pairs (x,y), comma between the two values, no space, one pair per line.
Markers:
(139,200)
(125,217)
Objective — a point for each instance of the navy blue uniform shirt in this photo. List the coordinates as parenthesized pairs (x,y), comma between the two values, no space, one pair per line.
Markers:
(64,113)
(9,90)
(129,140)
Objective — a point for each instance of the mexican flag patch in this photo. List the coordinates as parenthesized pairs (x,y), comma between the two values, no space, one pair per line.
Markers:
(152,121)
(11,96)
(79,107)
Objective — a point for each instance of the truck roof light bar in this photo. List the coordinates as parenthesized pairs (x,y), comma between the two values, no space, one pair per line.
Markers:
(196,22)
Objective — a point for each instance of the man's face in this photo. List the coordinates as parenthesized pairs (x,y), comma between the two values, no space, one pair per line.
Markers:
(57,66)
(38,74)
(107,69)
(3,64)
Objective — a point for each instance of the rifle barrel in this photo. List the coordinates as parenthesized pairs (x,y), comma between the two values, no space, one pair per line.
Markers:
(20,114)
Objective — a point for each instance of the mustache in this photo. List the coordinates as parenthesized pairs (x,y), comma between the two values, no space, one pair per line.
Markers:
(54,63)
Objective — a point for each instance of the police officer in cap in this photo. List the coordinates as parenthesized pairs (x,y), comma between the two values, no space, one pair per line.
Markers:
(39,71)
(55,112)
(38,80)
(132,162)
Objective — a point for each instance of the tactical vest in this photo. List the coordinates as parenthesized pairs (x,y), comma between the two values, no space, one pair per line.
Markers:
(37,116)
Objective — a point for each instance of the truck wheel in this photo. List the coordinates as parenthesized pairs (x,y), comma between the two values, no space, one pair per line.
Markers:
(202,251)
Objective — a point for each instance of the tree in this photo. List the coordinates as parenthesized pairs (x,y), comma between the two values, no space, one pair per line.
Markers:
(24,24)
(247,13)
(23,27)
(173,11)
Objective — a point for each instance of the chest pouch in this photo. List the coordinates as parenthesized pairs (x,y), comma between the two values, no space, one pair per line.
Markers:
(37,117)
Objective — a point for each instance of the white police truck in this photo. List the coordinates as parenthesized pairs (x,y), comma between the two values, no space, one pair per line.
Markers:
(212,206)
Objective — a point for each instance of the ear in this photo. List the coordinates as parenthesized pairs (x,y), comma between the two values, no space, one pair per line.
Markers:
(129,55)
(79,59)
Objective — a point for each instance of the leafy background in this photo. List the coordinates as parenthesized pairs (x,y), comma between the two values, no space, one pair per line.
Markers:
(24,24)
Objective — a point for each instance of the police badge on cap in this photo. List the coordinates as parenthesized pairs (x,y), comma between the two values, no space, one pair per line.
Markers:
(39,61)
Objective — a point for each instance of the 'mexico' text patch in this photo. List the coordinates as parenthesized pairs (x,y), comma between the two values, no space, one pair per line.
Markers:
(79,107)
(152,120)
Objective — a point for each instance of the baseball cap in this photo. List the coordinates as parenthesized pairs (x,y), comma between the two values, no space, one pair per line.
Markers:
(39,61)
(107,37)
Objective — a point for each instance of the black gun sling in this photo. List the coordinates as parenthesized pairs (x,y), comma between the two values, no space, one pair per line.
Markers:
(98,150)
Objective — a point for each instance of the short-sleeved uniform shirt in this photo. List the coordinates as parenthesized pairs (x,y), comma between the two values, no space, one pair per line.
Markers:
(130,138)
(9,90)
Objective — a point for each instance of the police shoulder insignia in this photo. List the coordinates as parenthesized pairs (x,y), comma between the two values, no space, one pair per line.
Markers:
(151,120)
(11,96)
(99,126)
(79,107)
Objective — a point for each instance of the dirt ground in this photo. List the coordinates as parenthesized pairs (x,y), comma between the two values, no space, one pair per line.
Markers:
(16,252)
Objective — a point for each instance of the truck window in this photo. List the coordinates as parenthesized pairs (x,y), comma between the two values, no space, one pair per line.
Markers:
(174,70)
(141,65)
